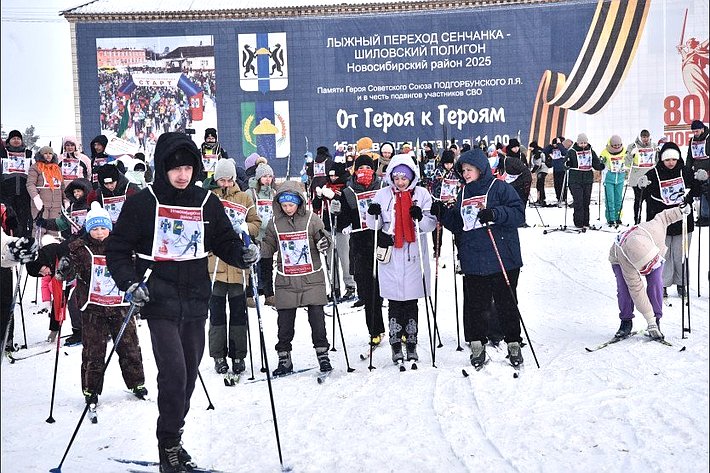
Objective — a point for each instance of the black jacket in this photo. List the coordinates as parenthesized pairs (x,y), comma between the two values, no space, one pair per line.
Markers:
(362,243)
(178,289)
(652,193)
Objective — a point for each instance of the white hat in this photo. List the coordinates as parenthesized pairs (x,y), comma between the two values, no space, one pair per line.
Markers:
(97,217)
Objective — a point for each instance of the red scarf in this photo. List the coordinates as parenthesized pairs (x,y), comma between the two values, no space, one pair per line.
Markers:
(403,222)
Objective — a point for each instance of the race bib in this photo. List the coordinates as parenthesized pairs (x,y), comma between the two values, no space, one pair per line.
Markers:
(295,253)
(77,217)
(113,206)
(179,235)
(363,203)
(584,160)
(698,150)
(237,213)
(616,164)
(16,163)
(209,161)
(102,288)
(469,211)
(318,169)
(265,210)
(71,168)
(647,156)
(449,189)
(673,191)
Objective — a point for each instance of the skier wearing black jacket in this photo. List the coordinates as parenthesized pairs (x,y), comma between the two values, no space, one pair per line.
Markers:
(190,224)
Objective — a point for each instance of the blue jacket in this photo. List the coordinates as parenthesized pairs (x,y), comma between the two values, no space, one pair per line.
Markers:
(475,248)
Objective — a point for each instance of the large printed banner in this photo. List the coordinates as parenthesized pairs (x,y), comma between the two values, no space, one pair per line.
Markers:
(531,71)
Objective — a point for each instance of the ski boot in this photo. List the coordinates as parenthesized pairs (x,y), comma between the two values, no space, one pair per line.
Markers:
(221,366)
(625,329)
(349,293)
(169,455)
(238,365)
(478,354)
(514,356)
(412,352)
(91,398)
(269,300)
(285,365)
(323,360)
(140,391)
(397,356)
(376,340)
(73,339)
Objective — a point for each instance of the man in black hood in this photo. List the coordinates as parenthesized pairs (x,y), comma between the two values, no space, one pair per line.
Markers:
(16,162)
(157,224)
(98,157)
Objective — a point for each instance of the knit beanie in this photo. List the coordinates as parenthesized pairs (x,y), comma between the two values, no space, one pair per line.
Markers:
(402,170)
(364,144)
(46,149)
(582,138)
(364,160)
(290,197)
(670,150)
(225,168)
(447,157)
(108,173)
(386,147)
(263,170)
(14,133)
(251,160)
(211,132)
(616,140)
(697,125)
(97,217)
(513,143)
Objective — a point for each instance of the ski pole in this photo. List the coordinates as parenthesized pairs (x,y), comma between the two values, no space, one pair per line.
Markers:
(117,340)
(684,243)
(17,294)
(336,311)
(538,212)
(375,282)
(6,335)
(512,293)
(599,200)
(456,293)
(60,316)
(255,291)
(700,233)
(432,345)
(251,358)
(332,267)
(210,406)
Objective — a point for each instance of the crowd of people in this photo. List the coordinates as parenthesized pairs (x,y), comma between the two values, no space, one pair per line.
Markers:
(199,236)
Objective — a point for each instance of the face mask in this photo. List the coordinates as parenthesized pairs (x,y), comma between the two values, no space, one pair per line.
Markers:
(364,177)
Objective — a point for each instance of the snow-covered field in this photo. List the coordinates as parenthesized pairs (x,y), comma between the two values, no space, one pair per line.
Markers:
(635,406)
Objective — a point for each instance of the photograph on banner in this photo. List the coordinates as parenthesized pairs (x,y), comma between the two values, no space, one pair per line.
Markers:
(153,85)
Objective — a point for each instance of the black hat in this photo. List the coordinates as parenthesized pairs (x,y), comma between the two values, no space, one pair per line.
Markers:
(465,147)
(322,150)
(364,160)
(697,125)
(513,143)
(14,133)
(534,145)
(211,132)
(101,139)
(108,173)
(447,157)
(140,156)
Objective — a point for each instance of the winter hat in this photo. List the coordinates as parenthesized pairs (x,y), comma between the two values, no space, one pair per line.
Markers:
(211,132)
(179,157)
(263,170)
(407,147)
(308,156)
(513,143)
(447,157)
(640,250)
(108,173)
(261,160)
(582,137)
(644,133)
(97,217)
(534,146)
(290,197)
(615,141)
(46,149)
(14,133)
(697,125)
(225,168)
(322,151)
(364,144)
(402,170)
(251,160)
(386,147)
(140,156)
(364,160)
(101,139)
(465,147)
(670,150)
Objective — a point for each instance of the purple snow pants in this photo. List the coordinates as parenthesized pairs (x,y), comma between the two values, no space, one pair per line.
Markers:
(654,290)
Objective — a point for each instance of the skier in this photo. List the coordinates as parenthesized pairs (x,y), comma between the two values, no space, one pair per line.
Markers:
(103,311)
(613,156)
(558,151)
(262,193)
(581,162)
(400,278)
(112,191)
(229,284)
(73,162)
(176,297)
(513,170)
(16,162)
(98,157)
(301,283)
(641,156)
(46,186)
(698,158)
(484,205)
(637,252)
(446,184)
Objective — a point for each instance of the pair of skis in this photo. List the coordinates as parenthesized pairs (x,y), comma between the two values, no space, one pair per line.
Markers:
(614,340)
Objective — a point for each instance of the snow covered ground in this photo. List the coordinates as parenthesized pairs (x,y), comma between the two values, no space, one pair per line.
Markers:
(636,406)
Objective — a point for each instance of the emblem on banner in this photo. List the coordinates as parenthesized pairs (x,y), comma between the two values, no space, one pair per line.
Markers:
(263,64)
(266,128)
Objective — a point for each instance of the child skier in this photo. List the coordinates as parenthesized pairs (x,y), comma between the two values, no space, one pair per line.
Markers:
(229,281)
(486,204)
(445,187)
(298,236)
(613,157)
(103,309)
(262,193)
(393,211)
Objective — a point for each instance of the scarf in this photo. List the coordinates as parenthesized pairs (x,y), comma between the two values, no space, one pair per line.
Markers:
(364,177)
(403,223)
(50,172)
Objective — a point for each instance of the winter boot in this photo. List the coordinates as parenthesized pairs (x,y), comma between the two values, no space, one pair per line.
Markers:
(285,365)
(337,295)
(680,290)
(323,360)
(250,302)
(349,293)
(238,365)
(169,455)
(221,366)
(654,331)
(359,303)
(140,391)
(515,357)
(665,292)
(412,352)
(625,329)
(478,353)
(91,398)
(397,355)
(73,339)
(52,337)
(269,300)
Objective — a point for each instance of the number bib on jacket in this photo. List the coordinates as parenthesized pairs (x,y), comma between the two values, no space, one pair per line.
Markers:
(16,163)
(672,190)
(103,290)
(98,162)
(265,210)
(113,206)
(429,168)
(470,207)
(698,150)
(209,160)
(584,160)
(557,154)
(77,217)
(179,232)
(295,252)
(647,156)
(237,213)
(449,189)
(616,164)
(363,200)
(71,168)
(318,169)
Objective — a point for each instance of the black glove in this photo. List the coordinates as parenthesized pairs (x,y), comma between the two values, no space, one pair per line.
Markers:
(688,200)
(41,222)
(138,294)
(416,213)
(384,240)
(251,254)
(323,244)
(23,250)
(438,208)
(64,269)
(486,216)
(374,209)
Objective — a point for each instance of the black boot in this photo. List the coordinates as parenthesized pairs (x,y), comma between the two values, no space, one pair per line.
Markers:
(238,365)
(624,329)
(323,359)
(169,455)
(285,365)
(221,366)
